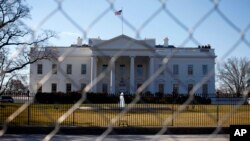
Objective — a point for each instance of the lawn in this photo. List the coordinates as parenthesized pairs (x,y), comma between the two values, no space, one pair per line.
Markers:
(150,115)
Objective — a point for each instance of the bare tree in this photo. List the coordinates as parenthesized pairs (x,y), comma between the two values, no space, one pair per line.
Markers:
(5,80)
(16,39)
(16,85)
(234,74)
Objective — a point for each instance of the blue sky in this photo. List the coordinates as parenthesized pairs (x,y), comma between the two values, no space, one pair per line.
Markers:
(214,30)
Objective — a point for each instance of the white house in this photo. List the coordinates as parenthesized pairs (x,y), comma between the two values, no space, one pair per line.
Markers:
(79,65)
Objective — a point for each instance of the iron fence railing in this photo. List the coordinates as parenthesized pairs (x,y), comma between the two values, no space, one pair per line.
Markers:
(151,111)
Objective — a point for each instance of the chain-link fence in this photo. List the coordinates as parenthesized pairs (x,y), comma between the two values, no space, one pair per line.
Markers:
(139,111)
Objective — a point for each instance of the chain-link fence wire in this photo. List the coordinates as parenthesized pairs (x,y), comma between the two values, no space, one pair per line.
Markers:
(161,9)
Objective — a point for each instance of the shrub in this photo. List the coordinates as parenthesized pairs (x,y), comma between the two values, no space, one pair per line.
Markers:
(73,97)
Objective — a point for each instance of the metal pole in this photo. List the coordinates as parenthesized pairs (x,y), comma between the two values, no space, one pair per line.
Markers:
(29,111)
(122,20)
(73,118)
(173,114)
(217,115)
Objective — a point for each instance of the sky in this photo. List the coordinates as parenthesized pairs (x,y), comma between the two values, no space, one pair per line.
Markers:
(214,30)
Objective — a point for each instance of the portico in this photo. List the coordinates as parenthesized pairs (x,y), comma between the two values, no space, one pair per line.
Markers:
(125,74)
(128,71)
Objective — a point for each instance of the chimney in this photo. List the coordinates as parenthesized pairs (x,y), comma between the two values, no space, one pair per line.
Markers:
(165,42)
(79,41)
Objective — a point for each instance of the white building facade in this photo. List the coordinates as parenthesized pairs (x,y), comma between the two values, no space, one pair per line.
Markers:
(134,62)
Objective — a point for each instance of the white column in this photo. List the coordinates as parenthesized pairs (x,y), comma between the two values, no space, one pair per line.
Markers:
(151,72)
(112,78)
(93,72)
(132,75)
(61,76)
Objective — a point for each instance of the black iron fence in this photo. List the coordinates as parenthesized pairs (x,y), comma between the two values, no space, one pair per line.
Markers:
(151,111)
(156,98)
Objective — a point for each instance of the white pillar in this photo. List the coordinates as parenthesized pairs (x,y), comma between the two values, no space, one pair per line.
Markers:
(132,75)
(112,78)
(151,72)
(93,72)
(61,76)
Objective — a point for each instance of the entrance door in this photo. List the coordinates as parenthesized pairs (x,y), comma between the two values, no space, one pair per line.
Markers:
(161,88)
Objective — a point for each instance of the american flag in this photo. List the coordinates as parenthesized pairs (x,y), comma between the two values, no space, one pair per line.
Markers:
(119,12)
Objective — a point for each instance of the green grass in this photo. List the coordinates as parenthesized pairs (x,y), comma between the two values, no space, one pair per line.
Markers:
(199,116)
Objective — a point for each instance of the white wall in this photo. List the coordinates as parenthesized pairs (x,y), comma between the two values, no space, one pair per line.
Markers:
(61,78)
(183,76)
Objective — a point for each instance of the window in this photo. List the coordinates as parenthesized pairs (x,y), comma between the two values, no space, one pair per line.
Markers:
(161,88)
(54,69)
(69,68)
(68,87)
(139,85)
(139,70)
(83,85)
(204,90)
(190,87)
(104,67)
(176,88)
(53,87)
(39,68)
(175,69)
(162,72)
(122,70)
(105,88)
(83,69)
(39,88)
(190,69)
(204,69)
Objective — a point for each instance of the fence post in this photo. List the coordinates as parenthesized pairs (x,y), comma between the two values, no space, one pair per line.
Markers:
(173,114)
(217,115)
(74,118)
(28,111)
(173,102)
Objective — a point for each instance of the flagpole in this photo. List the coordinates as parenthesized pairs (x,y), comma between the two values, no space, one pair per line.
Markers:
(120,13)
(122,20)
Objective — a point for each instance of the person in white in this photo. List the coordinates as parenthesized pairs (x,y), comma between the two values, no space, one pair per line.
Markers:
(122,101)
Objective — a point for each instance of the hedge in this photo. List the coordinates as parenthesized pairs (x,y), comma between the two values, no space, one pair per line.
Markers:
(72,97)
